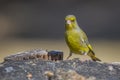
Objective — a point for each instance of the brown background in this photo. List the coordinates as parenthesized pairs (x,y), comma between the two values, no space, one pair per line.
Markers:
(29,24)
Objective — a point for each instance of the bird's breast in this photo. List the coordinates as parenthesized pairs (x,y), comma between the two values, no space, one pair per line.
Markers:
(74,42)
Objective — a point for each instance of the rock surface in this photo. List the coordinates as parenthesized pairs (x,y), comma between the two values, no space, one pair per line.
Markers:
(60,70)
(39,69)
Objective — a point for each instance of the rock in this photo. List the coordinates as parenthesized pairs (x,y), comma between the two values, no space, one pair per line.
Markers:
(40,69)
(53,55)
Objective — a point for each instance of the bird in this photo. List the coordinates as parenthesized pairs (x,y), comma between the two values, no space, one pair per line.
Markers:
(76,39)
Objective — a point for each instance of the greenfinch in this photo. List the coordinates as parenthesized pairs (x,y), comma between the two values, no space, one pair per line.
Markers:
(76,39)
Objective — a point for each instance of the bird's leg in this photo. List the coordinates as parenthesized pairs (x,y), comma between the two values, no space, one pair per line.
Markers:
(70,54)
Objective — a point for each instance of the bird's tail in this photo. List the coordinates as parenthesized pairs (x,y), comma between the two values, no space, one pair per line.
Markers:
(92,55)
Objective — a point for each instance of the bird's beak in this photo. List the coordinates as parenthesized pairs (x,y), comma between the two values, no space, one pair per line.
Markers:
(68,22)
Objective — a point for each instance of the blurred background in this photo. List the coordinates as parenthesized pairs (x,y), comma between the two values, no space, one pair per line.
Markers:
(36,24)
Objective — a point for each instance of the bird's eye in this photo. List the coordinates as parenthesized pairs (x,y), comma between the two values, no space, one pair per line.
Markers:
(72,20)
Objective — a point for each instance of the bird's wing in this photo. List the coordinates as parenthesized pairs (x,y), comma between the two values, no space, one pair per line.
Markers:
(84,40)
(83,37)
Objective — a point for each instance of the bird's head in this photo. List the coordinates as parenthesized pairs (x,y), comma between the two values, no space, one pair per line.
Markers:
(70,22)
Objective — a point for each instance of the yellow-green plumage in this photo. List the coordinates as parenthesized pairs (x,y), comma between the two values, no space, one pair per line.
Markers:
(76,39)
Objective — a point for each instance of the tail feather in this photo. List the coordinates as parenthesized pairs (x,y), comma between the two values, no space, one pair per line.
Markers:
(95,59)
(92,55)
